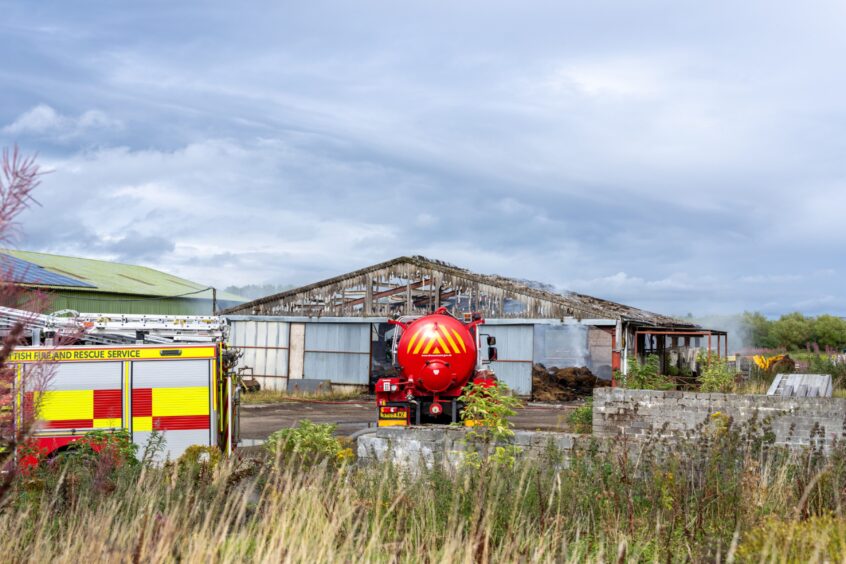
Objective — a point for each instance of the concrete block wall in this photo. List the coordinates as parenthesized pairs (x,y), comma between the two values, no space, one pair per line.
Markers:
(409,446)
(795,422)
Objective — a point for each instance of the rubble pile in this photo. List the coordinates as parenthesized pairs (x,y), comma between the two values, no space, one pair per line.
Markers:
(563,384)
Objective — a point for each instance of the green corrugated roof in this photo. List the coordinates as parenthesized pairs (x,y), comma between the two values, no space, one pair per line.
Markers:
(118,278)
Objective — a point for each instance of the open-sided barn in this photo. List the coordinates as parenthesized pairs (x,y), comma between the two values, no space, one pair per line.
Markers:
(334,329)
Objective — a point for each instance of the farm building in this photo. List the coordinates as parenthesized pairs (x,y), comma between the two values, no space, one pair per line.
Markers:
(335,329)
(97,286)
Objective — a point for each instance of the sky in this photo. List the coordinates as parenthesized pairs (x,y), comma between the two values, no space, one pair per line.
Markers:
(684,157)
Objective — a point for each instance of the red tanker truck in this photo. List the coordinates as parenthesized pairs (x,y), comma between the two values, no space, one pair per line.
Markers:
(437,355)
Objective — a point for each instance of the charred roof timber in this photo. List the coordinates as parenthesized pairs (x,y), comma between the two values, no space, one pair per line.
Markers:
(417,285)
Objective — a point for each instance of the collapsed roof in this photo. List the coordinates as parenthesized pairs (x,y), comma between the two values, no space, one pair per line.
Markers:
(417,285)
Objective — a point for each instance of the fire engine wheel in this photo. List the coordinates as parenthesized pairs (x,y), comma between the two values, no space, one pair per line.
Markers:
(63,451)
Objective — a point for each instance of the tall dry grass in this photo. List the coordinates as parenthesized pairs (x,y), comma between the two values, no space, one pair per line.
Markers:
(723,494)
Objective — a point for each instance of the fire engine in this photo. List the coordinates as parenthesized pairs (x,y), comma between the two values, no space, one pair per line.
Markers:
(183,391)
(437,355)
(178,391)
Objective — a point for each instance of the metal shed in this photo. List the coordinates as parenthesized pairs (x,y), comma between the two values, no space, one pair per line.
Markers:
(100,286)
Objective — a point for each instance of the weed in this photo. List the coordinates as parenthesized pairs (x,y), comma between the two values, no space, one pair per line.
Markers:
(308,443)
(488,409)
(581,418)
(716,376)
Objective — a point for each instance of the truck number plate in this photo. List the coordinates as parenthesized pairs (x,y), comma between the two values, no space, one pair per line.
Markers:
(390,416)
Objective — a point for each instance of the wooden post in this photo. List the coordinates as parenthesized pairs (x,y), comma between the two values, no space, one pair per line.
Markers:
(368,297)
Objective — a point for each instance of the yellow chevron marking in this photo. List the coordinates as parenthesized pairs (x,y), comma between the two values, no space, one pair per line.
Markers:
(411,341)
(451,341)
(436,351)
(431,342)
(460,340)
(441,342)
(420,342)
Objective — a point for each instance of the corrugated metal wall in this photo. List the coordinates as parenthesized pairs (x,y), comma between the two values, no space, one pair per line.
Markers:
(265,348)
(339,352)
(339,349)
(514,347)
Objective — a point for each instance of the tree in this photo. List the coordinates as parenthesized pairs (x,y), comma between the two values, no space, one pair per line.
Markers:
(756,330)
(792,331)
(829,331)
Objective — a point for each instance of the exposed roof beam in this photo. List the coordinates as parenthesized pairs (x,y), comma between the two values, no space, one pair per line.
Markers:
(386,293)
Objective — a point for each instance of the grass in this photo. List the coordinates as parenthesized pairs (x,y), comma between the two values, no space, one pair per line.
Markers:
(754,386)
(721,494)
(275,396)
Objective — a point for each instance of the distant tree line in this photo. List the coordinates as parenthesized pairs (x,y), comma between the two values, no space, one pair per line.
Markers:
(794,331)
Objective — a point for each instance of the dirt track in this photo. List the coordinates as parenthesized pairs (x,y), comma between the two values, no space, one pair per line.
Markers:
(258,421)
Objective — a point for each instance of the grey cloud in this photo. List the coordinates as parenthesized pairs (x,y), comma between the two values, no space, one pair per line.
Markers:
(134,247)
(680,157)
(42,121)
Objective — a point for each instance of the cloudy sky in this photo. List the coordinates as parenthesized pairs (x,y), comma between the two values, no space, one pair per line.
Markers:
(679,156)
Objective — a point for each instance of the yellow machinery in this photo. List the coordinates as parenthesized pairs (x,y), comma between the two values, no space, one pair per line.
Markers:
(768,364)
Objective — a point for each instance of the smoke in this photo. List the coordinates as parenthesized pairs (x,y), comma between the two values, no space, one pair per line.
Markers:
(738,331)
(562,346)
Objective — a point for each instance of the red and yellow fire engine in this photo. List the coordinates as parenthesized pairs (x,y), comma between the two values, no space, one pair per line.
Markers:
(180,391)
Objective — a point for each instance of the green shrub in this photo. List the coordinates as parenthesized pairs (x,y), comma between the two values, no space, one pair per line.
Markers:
(308,443)
(716,376)
(581,418)
(95,446)
(198,464)
(487,409)
(824,364)
(646,376)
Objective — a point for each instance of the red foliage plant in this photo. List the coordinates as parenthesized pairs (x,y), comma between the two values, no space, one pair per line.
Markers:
(19,177)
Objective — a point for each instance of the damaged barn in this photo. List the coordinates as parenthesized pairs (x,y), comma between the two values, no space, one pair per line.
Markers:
(337,329)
